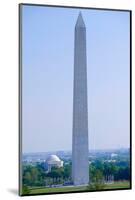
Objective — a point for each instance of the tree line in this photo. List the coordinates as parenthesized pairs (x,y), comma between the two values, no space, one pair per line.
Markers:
(99,171)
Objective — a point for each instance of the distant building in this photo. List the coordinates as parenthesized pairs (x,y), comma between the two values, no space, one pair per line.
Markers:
(114,155)
(53,161)
(110,161)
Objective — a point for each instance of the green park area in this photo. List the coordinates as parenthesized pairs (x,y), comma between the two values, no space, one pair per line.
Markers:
(103,174)
(43,190)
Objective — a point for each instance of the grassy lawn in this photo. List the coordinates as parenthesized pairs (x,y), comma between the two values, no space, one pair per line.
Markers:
(54,190)
(116,185)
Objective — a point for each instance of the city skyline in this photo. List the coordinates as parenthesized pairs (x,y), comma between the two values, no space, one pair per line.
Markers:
(70,150)
(48,78)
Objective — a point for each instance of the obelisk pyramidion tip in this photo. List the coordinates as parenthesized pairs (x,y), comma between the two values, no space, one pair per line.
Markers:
(80,23)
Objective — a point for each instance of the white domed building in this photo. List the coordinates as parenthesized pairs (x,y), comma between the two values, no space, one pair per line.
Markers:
(53,161)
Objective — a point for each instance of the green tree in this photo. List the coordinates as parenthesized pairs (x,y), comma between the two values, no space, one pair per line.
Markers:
(33,176)
(25,190)
(96,179)
(56,174)
(67,172)
(27,178)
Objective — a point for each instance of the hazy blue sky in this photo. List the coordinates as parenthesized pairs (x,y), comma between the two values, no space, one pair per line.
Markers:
(48,55)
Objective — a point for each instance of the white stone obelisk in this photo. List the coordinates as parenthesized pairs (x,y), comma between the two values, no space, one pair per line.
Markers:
(80,161)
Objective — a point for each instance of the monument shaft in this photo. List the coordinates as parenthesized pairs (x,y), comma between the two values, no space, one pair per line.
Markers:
(80,162)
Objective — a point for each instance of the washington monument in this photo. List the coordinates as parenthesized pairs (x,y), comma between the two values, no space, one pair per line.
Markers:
(80,162)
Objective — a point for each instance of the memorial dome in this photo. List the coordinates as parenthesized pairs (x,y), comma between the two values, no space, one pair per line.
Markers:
(53,161)
(52,158)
